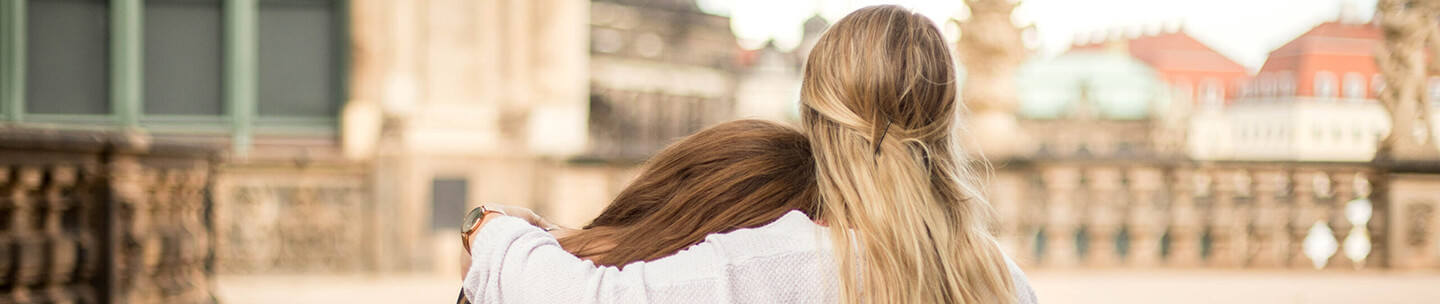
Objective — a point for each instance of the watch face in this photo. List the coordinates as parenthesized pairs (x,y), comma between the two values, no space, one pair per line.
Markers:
(471,218)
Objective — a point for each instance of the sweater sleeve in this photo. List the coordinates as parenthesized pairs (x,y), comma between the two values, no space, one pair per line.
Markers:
(1023,290)
(514,262)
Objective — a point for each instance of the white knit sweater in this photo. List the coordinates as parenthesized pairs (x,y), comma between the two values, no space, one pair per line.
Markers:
(787,261)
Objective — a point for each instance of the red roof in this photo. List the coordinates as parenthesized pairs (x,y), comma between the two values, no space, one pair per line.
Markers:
(1179,52)
(1334,38)
(1175,51)
(1336,48)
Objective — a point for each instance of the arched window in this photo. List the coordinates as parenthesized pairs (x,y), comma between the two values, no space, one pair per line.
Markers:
(1377,84)
(1324,84)
(1240,89)
(1285,84)
(1432,87)
(1354,86)
(1212,94)
(1267,85)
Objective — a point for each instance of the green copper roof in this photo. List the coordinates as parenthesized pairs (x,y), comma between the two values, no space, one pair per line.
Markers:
(1119,86)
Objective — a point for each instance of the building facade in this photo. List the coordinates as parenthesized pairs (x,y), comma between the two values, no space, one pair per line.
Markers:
(1314,99)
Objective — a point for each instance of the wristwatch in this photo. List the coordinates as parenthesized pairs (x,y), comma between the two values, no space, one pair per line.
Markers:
(467,226)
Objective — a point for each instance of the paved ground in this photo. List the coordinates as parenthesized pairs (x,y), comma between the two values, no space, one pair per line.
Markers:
(1054,287)
(336,289)
(1296,287)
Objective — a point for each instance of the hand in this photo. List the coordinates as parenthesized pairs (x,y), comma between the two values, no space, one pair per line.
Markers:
(525,214)
(562,231)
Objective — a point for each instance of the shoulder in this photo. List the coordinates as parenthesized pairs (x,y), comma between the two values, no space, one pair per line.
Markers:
(791,233)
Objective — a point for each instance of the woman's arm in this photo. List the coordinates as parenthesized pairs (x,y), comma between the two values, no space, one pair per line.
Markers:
(515,262)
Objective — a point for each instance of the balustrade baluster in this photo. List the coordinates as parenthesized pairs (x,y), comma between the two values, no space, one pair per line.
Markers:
(192,209)
(1186,226)
(1271,239)
(1061,185)
(1103,219)
(61,247)
(1303,215)
(1145,221)
(1223,221)
(8,216)
(162,199)
(1008,188)
(1343,183)
(29,243)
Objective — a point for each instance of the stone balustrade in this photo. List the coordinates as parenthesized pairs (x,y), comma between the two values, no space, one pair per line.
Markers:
(103,218)
(1184,214)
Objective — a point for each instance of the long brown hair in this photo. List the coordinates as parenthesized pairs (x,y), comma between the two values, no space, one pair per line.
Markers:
(879,105)
(738,174)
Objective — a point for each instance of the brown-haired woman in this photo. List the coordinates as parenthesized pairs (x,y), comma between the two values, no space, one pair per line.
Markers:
(739,174)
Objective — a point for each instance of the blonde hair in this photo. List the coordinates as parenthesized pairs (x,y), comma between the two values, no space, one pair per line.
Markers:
(879,106)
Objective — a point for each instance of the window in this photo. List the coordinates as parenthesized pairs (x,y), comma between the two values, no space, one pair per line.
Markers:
(448,198)
(162,65)
(183,57)
(297,47)
(1354,86)
(1324,84)
(1239,88)
(1267,85)
(1285,84)
(1211,93)
(67,63)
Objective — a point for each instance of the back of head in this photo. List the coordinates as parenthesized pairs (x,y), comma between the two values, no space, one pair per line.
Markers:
(879,105)
(738,174)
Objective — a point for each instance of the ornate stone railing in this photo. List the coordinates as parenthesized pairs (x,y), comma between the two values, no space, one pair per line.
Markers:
(1180,213)
(103,218)
(287,218)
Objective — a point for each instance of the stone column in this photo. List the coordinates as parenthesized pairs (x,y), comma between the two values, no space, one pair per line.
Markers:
(991,50)
(1410,37)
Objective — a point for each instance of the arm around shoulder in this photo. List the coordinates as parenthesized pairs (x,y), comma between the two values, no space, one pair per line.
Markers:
(515,262)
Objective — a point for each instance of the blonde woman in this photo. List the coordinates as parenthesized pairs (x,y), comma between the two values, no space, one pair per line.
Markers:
(901,219)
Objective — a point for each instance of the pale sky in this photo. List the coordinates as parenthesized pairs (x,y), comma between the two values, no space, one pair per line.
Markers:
(1244,30)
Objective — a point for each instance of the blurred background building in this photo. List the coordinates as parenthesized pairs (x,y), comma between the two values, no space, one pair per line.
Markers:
(353,135)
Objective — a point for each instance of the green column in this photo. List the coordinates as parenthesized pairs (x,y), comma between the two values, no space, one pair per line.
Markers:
(127,55)
(240,70)
(12,58)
